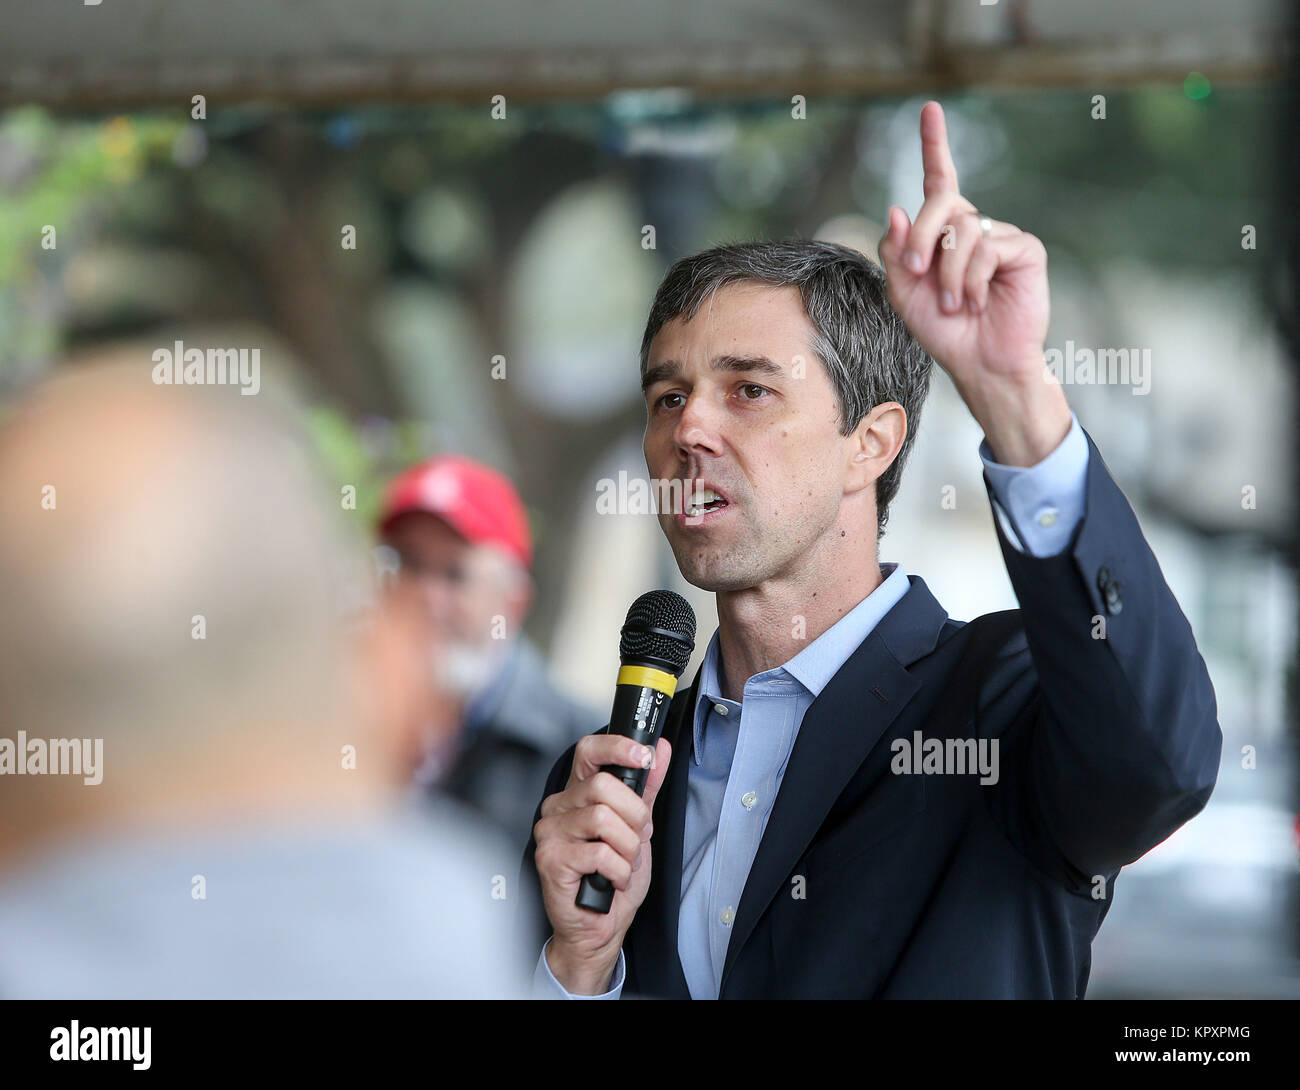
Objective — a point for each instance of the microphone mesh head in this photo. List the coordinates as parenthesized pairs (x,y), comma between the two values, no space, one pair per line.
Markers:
(673,643)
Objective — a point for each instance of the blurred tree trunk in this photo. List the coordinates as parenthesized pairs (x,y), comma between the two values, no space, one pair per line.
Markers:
(286,276)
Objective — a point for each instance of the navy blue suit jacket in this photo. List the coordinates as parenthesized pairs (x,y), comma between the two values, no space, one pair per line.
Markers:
(869,883)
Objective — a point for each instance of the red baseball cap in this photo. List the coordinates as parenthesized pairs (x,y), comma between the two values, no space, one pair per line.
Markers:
(478,503)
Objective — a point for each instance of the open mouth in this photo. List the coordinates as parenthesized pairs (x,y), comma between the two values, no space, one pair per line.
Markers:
(701,502)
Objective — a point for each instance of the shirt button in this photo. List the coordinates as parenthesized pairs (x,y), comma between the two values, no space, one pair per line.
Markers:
(1110,591)
(721,709)
(748,799)
(727,917)
(1048,517)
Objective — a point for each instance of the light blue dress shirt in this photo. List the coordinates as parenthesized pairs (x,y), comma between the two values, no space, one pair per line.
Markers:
(735,773)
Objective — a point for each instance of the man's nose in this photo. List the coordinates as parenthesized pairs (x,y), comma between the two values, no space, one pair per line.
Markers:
(698,429)
(437,594)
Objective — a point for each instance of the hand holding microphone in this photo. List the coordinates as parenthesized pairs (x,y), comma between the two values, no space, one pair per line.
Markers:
(593,849)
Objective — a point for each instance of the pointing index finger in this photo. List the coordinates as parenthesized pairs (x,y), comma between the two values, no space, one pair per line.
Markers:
(940,172)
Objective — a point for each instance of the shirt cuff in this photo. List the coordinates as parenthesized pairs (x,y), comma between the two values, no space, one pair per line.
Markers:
(1040,506)
(545,986)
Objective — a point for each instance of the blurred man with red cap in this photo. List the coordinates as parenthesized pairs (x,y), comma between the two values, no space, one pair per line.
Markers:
(460,534)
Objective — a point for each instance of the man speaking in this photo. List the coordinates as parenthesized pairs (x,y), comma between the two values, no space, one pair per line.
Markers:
(789,844)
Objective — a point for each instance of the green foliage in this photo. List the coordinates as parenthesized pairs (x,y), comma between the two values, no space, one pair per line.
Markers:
(350,454)
(59,169)
(345,459)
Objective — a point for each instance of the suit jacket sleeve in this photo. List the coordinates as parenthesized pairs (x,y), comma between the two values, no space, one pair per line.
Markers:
(1108,728)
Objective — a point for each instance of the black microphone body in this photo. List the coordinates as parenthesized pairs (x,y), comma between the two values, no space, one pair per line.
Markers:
(657,640)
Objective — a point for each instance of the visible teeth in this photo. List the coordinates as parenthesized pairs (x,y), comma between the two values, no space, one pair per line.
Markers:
(700,499)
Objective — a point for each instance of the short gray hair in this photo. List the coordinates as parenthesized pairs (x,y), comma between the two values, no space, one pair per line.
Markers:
(869,354)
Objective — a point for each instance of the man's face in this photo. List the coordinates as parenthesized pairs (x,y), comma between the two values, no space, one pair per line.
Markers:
(463,586)
(737,402)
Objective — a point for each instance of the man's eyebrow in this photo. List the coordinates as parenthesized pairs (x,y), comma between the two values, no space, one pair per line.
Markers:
(662,372)
(761,364)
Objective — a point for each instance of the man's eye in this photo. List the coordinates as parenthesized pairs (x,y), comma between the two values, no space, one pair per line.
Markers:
(748,391)
(410,565)
(664,401)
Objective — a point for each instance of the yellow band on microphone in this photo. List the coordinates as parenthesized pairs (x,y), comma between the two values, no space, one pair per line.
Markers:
(649,677)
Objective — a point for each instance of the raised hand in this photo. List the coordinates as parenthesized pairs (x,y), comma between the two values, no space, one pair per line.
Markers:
(974,293)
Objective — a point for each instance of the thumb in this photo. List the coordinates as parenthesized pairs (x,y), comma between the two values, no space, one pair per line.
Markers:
(890,249)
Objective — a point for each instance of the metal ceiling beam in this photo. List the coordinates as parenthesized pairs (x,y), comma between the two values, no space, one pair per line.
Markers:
(123,54)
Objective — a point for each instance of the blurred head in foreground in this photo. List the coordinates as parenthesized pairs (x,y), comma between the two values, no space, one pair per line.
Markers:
(180,614)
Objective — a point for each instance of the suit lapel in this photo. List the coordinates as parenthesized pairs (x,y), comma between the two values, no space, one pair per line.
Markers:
(839,729)
(652,938)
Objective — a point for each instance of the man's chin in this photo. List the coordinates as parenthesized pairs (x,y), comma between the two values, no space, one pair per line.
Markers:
(714,566)
(715,573)
(718,585)
(463,669)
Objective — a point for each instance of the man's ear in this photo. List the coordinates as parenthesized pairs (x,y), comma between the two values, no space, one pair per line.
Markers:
(520,592)
(527,592)
(874,444)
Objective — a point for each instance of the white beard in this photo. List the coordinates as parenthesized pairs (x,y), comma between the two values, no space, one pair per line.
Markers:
(464,669)
(460,670)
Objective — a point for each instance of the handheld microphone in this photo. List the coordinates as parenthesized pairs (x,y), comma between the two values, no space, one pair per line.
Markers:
(657,640)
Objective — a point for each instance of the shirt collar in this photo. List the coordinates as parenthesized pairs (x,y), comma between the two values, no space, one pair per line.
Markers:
(816,664)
